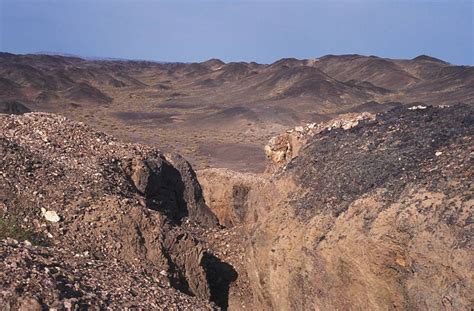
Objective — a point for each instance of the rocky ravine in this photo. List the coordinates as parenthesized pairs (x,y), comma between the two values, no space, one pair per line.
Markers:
(365,211)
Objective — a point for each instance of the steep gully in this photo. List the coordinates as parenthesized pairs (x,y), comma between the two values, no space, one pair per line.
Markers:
(373,211)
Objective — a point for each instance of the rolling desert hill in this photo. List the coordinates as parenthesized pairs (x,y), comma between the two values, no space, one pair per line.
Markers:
(217,113)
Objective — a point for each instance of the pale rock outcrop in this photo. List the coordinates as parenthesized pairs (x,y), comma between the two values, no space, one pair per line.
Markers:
(283,148)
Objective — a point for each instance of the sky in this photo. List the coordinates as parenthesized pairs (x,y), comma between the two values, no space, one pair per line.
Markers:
(262,31)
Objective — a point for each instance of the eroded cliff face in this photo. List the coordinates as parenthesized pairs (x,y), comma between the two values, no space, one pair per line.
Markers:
(227,193)
(375,216)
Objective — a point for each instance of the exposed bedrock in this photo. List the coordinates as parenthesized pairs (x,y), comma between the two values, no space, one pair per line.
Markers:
(226,192)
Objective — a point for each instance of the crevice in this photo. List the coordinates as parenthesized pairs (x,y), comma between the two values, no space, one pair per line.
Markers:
(176,276)
(220,276)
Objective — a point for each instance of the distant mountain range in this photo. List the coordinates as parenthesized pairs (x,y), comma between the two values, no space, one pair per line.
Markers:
(91,57)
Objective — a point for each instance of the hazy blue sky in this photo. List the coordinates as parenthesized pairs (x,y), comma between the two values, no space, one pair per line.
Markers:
(261,31)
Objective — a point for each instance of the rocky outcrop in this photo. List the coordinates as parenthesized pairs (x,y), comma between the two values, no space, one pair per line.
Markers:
(281,149)
(170,181)
(192,193)
(376,216)
(121,204)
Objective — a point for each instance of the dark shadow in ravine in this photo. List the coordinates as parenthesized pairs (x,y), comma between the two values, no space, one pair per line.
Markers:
(220,276)
(165,191)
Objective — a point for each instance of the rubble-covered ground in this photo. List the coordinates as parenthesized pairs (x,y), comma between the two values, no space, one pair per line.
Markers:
(34,277)
(106,217)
